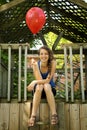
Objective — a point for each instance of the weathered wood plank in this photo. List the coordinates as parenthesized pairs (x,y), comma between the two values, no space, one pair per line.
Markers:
(36,126)
(10,5)
(80,3)
(83,110)
(26,114)
(21,110)
(61,114)
(83,123)
(67,117)
(83,116)
(14,46)
(44,116)
(75,45)
(4,116)
(74,117)
(14,116)
(44,112)
(55,127)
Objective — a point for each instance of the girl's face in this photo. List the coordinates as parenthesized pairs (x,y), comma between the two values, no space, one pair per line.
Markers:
(44,56)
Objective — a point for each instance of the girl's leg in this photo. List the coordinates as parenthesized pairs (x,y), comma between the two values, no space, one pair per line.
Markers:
(51,102)
(37,98)
(36,102)
(50,98)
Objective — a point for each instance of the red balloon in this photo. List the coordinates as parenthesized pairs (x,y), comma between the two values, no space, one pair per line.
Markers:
(35,19)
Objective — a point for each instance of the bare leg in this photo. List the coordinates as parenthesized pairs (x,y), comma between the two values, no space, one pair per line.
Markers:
(36,99)
(36,102)
(50,98)
(51,102)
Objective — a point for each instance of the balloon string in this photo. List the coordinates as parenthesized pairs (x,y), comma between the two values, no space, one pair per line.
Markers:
(34,37)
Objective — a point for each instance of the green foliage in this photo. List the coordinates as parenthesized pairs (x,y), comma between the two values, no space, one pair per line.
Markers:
(51,37)
(4,57)
(4,1)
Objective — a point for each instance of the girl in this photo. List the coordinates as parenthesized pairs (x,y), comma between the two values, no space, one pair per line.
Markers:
(43,86)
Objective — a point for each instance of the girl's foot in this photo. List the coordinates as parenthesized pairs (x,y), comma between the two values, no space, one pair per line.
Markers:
(32,121)
(54,119)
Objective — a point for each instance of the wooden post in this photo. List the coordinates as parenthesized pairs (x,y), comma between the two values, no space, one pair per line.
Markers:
(66,74)
(25,73)
(83,116)
(81,72)
(0,72)
(9,73)
(4,116)
(74,117)
(19,75)
(71,75)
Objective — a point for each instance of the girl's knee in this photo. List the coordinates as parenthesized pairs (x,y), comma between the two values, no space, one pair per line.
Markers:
(47,87)
(39,88)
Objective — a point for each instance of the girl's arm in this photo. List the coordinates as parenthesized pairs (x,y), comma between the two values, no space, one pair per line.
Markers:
(53,69)
(38,76)
(36,71)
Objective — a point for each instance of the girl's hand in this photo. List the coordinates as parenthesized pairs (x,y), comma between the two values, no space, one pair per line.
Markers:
(31,85)
(47,80)
(33,61)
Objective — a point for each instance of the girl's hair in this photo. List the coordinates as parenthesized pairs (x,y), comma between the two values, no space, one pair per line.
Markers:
(51,56)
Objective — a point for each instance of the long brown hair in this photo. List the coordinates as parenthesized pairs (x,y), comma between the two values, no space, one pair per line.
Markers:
(51,56)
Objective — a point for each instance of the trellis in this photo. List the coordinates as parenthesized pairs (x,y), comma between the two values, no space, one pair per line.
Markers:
(66,16)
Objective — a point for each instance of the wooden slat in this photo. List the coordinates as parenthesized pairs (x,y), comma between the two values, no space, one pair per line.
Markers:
(10,5)
(4,116)
(57,41)
(84,124)
(80,3)
(14,116)
(82,75)
(75,45)
(83,110)
(71,75)
(9,74)
(0,71)
(55,127)
(21,111)
(14,46)
(26,114)
(61,114)
(74,117)
(19,73)
(83,116)
(67,117)
(66,74)
(25,73)
(44,116)
(44,108)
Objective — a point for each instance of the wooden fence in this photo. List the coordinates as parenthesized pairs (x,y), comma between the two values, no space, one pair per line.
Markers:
(14,114)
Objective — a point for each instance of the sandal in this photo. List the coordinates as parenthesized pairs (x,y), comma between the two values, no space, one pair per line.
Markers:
(54,119)
(32,121)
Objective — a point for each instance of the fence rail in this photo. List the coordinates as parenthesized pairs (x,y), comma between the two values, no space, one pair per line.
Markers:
(22,52)
(71,72)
